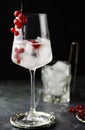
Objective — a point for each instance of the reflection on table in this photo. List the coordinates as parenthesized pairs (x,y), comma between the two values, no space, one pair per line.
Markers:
(15,97)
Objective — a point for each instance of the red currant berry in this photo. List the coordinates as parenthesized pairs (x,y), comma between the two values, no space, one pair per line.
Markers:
(24,20)
(79,106)
(18,61)
(12,30)
(16,33)
(84,113)
(16,13)
(21,16)
(80,112)
(17,56)
(21,50)
(19,22)
(80,115)
(19,26)
(36,46)
(16,49)
(71,109)
(16,22)
(76,109)
(33,41)
(83,117)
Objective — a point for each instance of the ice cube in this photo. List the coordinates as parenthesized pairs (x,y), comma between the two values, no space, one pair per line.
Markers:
(56,80)
(63,66)
(45,51)
(28,61)
(28,47)
(47,72)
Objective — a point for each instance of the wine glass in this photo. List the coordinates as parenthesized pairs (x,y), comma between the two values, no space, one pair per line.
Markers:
(32,50)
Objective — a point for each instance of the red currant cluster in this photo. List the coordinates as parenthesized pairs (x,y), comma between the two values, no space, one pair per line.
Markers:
(19,21)
(17,54)
(80,110)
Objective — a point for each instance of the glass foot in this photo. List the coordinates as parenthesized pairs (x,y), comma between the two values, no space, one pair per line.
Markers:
(33,120)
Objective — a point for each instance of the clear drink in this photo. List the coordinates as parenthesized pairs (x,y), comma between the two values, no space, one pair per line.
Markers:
(32,54)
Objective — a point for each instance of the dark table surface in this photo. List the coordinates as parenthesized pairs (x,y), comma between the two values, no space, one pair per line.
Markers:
(15,97)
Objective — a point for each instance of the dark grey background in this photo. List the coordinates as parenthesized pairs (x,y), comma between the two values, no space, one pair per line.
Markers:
(66,24)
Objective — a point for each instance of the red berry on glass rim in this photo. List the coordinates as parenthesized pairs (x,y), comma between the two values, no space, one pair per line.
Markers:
(19,21)
(22,18)
(16,22)
(19,26)
(12,30)
(16,13)
(16,33)
(24,21)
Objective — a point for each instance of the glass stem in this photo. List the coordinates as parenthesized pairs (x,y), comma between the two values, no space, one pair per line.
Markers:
(32,102)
